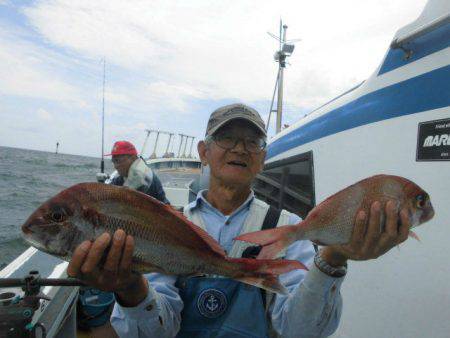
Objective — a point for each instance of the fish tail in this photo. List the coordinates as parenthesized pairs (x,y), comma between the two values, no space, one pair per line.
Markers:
(267,266)
(268,283)
(273,241)
(263,273)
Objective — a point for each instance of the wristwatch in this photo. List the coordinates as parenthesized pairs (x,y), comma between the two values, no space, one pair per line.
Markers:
(333,271)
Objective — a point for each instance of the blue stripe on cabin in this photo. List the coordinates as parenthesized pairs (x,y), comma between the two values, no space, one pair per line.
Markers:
(421,93)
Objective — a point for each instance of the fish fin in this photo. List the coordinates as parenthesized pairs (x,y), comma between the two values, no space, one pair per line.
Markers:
(271,251)
(141,266)
(263,273)
(414,235)
(209,240)
(269,283)
(265,237)
(268,266)
(273,241)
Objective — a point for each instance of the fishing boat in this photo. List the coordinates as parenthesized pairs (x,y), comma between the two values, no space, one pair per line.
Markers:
(395,122)
(180,177)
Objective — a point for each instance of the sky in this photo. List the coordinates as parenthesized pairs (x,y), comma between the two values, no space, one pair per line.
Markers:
(169,64)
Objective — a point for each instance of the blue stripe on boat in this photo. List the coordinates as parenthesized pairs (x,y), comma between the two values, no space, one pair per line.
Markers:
(421,93)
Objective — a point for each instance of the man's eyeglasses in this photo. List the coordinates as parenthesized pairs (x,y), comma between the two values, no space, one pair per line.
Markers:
(119,159)
(252,144)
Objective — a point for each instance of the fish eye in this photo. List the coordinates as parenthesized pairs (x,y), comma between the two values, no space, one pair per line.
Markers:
(57,216)
(420,201)
(57,213)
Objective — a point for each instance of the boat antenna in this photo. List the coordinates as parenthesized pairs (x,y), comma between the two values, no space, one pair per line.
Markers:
(148,131)
(185,145)
(168,145)
(153,155)
(286,48)
(102,163)
(190,150)
(172,146)
(181,142)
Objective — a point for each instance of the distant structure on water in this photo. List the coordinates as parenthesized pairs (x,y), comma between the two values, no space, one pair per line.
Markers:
(184,139)
(57,146)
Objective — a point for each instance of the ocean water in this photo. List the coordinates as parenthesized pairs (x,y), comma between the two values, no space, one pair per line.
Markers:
(27,179)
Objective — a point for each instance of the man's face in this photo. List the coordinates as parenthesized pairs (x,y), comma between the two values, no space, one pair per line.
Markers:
(122,163)
(237,165)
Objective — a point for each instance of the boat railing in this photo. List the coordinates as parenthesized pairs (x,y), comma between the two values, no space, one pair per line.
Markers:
(420,31)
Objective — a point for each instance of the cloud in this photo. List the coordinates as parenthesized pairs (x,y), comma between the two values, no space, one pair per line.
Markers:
(156,95)
(217,50)
(44,115)
(28,70)
(170,63)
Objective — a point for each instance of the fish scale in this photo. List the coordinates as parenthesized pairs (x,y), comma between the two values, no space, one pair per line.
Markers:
(165,241)
(144,237)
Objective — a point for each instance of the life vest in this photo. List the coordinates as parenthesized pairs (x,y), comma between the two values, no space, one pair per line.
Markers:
(139,175)
(223,307)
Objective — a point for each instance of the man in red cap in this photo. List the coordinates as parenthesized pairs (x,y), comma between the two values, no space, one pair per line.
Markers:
(133,172)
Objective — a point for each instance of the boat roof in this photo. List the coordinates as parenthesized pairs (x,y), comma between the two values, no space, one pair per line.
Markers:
(176,179)
(172,159)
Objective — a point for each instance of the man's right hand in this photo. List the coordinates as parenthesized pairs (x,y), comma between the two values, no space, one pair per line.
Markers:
(115,274)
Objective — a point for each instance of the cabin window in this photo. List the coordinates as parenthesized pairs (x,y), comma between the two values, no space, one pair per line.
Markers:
(288,184)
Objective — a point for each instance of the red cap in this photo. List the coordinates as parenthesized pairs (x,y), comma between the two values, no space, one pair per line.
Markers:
(123,148)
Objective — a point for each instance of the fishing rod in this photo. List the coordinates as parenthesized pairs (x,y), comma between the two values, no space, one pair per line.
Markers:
(101,176)
(102,163)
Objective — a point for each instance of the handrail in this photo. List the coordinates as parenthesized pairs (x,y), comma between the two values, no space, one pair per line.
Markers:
(18,282)
(422,30)
(298,196)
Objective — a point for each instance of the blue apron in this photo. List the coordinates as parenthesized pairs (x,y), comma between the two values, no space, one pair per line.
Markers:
(221,308)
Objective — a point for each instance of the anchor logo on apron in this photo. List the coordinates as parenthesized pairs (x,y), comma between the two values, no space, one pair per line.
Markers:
(212,303)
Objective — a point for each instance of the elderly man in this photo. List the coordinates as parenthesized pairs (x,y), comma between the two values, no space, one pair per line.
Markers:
(133,172)
(209,306)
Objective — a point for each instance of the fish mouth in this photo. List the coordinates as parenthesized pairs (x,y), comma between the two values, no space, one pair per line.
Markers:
(33,242)
(238,163)
(427,215)
(33,222)
(26,229)
(42,247)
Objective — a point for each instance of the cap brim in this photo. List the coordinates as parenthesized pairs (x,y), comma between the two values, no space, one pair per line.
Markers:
(120,154)
(236,117)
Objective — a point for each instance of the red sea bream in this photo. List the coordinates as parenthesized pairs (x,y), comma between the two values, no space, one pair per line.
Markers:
(331,222)
(165,241)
